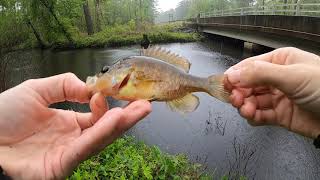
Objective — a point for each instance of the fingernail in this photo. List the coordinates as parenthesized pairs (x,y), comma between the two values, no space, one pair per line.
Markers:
(234,76)
(231,98)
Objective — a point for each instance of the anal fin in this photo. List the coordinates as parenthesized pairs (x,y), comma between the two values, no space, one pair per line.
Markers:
(186,104)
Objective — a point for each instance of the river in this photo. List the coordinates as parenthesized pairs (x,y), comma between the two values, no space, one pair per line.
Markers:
(214,135)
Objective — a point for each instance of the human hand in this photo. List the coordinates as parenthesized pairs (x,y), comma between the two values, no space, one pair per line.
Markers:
(278,88)
(37,142)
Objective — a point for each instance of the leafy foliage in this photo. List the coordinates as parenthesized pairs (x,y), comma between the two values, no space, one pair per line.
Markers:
(120,35)
(29,23)
(128,159)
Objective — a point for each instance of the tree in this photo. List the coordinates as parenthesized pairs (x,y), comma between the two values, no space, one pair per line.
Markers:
(50,7)
(98,14)
(88,18)
(36,33)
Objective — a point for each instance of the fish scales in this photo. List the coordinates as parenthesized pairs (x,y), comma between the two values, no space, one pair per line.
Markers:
(174,81)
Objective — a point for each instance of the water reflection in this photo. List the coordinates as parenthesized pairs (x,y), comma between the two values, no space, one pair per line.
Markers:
(214,135)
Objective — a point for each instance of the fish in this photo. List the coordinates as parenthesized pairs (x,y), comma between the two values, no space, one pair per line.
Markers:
(157,75)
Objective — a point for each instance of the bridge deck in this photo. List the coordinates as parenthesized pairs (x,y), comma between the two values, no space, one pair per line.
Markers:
(269,30)
(266,39)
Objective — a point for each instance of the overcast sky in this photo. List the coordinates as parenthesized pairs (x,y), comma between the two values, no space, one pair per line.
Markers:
(165,5)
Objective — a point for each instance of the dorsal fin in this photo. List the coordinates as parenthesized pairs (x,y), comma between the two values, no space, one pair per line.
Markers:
(167,56)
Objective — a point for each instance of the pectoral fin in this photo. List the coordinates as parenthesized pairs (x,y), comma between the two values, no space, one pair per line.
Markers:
(186,104)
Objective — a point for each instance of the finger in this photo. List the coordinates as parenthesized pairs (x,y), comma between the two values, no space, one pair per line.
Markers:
(257,117)
(59,88)
(92,138)
(248,109)
(245,91)
(258,73)
(114,121)
(236,98)
(267,57)
(227,85)
(282,56)
(135,111)
(264,101)
(84,120)
(98,107)
(261,90)
(263,117)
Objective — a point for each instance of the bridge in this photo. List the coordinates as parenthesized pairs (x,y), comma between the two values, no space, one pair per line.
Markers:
(275,26)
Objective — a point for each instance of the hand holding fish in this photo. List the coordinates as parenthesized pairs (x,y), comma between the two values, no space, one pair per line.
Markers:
(38,142)
(278,88)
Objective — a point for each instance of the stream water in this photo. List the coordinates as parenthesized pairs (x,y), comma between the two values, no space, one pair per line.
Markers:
(214,135)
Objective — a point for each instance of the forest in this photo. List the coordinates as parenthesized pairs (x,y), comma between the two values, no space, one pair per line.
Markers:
(99,23)
(42,23)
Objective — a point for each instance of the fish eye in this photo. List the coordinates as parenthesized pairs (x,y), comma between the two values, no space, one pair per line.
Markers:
(105,69)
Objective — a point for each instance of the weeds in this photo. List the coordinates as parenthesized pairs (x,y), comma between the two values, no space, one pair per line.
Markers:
(128,159)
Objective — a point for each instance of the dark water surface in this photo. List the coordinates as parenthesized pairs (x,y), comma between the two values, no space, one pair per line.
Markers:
(214,135)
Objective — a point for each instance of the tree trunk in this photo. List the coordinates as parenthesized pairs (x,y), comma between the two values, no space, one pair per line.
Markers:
(63,29)
(140,5)
(129,11)
(136,15)
(98,10)
(88,18)
(285,7)
(36,34)
(295,7)
(3,67)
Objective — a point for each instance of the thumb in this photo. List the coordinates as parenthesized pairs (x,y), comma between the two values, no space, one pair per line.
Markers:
(260,73)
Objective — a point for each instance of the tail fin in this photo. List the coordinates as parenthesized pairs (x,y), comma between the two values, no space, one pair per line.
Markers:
(216,88)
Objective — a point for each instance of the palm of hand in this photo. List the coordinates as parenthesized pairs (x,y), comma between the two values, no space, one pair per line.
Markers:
(50,143)
(39,135)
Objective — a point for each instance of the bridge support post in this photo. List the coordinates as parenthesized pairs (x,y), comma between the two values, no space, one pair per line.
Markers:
(256,48)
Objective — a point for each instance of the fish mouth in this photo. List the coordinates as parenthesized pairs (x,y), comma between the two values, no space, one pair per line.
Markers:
(91,81)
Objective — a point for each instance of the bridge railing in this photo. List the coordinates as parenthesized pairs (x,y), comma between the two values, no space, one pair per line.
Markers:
(297,9)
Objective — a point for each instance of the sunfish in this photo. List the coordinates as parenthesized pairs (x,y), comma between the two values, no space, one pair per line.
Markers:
(157,75)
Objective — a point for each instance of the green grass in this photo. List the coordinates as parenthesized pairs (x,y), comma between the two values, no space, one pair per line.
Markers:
(129,159)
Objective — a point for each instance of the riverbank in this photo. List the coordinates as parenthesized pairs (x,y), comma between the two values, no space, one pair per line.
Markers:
(115,36)
(129,159)
(123,35)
